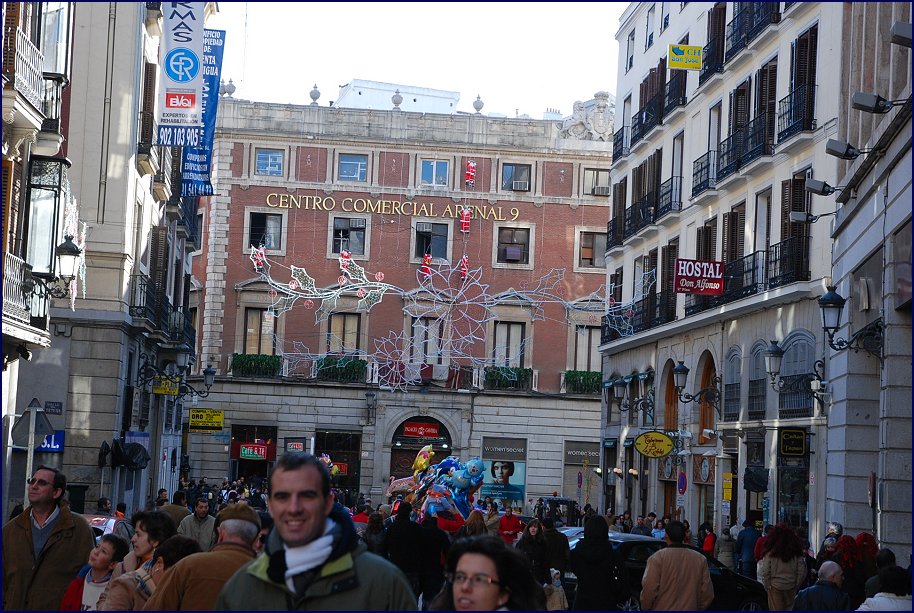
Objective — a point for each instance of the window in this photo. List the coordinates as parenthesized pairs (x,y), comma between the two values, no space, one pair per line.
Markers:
(343,333)
(353,167)
(515,177)
(593,250)
(509,344)
(587,348)
(434,172)
(630,51)
(664,16)
(513,245)
(258,332)
(265,230)
(731,387)
(596,182)
(349,235)
(426,345)
(649,30)
(758,384)
(431,238)
(269,162)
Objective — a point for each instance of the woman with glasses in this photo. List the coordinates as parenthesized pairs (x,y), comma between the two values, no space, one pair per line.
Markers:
(484,574)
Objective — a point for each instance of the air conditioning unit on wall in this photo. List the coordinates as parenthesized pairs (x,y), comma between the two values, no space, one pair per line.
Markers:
(601,190)
(521,186)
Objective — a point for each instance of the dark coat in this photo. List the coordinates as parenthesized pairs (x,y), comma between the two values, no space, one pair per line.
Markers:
(402,542)
(352,579)
(823,596)
(40,584)
(602,578)
(557,550)
(534,549)
(745,544)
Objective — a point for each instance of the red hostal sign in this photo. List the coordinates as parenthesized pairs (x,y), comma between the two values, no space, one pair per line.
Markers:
(415,428)
(699,277)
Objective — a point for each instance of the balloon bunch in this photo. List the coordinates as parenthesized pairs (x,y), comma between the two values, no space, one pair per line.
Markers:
(446,486)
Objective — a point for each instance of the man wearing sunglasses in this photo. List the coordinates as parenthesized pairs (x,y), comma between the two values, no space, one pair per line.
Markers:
(44,547)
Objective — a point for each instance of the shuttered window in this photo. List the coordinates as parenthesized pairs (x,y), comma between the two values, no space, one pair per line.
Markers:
(734,234)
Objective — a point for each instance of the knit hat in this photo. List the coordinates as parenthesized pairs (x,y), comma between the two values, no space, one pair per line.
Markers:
(239,510)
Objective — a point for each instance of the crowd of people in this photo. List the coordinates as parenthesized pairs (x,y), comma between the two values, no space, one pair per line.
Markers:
(218,549)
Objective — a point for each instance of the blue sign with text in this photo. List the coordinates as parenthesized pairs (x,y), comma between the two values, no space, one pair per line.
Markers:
(196,162)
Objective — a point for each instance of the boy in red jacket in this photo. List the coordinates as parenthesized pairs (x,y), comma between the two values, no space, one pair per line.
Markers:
(83,592)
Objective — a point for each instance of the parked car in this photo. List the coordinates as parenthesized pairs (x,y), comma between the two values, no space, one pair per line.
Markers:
(107,524)
(732,591)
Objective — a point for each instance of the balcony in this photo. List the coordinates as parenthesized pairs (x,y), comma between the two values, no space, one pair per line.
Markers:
(639,215)
(669,199)
(162,186)
(180,328)
(345,369)
(147,159)
(674,94)
(758,140)
(650,116)
(763,15)
(621,143)
(712,61)
(149,305)
(743,277)
(735,37)
(613,234)
(581,382)
(188,220)
(704,173)
(637,130)
(788,262)
(608,333)
(503,378)
(796,114)
(643,312)
(261,366)
(22,65)
(15,299)
(696,303)
(728,159)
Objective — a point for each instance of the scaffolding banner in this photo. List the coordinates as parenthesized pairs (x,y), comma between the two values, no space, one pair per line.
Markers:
(181,61)
(196,162)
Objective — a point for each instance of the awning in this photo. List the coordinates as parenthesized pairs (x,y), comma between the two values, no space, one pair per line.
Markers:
(610,442)
(638,376)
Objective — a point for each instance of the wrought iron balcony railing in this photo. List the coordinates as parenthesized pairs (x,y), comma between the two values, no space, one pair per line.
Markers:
(795,401)
(613,233)
(758,138)
(743,277)
(704,173)
(652,113)
(728,159)
(731,402)
(788,262)
(16,303)
(796,112)
(621,143)
(712,60)
(669,197)
(637,128)
(22,64)
(674,92)
(763,15)
(758,390)
(736,34)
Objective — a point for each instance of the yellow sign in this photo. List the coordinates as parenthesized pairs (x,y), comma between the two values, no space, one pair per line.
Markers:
(206,420)
(686,57)
(165,386)
(654,444)
(728,486)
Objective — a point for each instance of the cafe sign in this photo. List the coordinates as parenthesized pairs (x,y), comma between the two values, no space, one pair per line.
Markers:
(654,445)
(251,451)
(702,277)
(793,442)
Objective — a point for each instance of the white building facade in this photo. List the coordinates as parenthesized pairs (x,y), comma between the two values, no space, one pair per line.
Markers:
(708,165)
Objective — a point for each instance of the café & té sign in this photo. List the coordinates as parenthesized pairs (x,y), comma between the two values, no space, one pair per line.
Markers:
(699,277)
(654,444)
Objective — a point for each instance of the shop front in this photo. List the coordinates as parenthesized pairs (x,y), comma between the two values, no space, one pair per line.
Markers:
(793,477)
(252,453)
(410,437)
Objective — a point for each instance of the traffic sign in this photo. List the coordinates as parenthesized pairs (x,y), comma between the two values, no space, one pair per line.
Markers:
(682,483)
(43,427)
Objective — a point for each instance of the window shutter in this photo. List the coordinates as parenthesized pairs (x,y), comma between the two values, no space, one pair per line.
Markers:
(656,175)
(699,243)
(637,183)
(725,248)
(652,260)
(738,224)
(158,260)
(661,78)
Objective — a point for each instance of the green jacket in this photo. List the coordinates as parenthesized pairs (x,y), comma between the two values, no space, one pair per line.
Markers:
(352,579)
(41,584)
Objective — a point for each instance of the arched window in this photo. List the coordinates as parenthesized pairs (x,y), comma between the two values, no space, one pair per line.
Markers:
(799,355)
(758,382)
(731,386)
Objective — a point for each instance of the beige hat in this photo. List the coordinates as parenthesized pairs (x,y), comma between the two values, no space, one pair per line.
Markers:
(238,510)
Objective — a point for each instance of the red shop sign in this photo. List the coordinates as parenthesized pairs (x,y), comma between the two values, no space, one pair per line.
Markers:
(415,428)
(699,277)
(343,466)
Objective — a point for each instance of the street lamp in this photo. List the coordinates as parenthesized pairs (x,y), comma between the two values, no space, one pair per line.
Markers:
(710,394)
(371,402)
(148,372)
(67,255)
(812,383)
(869,338)
(638,403)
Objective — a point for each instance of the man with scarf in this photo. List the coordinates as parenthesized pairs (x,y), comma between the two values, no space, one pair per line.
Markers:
(313,558)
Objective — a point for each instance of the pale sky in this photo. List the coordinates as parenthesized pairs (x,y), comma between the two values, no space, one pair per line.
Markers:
(520,57)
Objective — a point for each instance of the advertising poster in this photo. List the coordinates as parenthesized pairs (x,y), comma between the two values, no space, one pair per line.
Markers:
(505,482)
(181,92)
(196,162)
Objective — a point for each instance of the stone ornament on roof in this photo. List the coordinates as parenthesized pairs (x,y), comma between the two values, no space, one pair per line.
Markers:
(595,123)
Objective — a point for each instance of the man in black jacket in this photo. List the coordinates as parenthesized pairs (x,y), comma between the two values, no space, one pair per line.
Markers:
(435,545)
(826,594)
(557,550)
(402,542)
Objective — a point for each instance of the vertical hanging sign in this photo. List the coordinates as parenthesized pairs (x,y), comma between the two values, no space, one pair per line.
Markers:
(181,61)
(196,163)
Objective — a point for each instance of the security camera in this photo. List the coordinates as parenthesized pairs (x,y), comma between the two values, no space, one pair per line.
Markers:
(841,149)
(708,433)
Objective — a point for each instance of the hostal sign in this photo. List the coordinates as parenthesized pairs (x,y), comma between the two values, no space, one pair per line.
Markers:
(699,277)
